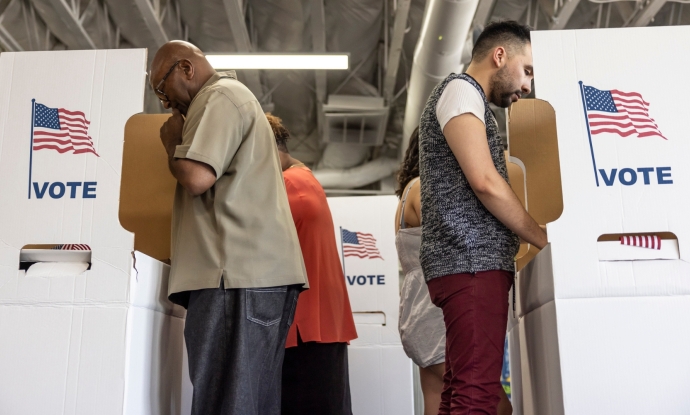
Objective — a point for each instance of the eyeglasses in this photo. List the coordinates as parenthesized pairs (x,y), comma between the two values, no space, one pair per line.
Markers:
(158,87)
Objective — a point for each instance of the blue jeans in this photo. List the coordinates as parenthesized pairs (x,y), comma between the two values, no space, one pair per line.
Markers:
(236,344)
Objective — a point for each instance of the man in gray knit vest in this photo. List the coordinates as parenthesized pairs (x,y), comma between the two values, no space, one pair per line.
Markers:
(473,221)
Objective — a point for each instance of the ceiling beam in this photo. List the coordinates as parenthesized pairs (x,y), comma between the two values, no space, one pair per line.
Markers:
(647,13)
(152,22)
(3,5)
(558,17)
(238,27)
(8,42)
(483,13)
(395,47)
(240,34)
(318,39)
(141,23)
(64,23)
(625,10)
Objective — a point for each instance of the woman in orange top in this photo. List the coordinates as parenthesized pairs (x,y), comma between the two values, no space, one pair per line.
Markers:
(315,369)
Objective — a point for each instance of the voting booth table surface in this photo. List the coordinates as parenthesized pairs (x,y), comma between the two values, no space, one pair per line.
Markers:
(597,325)
(88,331)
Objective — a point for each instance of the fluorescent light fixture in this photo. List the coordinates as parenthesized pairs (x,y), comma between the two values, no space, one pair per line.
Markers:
(332,61)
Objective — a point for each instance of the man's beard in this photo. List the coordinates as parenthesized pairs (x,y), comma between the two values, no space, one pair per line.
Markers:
(502,89)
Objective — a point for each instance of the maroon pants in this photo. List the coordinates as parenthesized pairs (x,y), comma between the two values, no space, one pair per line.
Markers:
(475,310)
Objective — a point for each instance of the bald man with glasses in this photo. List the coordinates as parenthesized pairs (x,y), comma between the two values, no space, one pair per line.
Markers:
(236,260)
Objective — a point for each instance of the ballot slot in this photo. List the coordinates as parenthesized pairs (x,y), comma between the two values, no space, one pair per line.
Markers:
(53,260)
(647,246)
(370,317)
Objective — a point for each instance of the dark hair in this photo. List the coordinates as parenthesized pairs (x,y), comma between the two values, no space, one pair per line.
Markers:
(409,169)
(508,33)
(281,133)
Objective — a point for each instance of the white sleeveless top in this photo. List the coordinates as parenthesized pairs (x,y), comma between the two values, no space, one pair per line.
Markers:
(421,326)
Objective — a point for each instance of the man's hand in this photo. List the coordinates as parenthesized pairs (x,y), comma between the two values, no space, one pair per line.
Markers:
(542,227)
(171,133)
(196,177)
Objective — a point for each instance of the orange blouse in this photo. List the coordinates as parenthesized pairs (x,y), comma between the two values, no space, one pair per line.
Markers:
(323,312)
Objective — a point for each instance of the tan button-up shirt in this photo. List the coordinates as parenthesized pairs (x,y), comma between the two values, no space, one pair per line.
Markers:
(241,229)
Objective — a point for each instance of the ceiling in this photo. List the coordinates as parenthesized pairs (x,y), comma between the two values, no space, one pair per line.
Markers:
(363,28)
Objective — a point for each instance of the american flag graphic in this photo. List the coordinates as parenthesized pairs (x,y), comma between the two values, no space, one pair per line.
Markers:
(644,241)
(61,130)
(617,112)
(72,247)
(361,245)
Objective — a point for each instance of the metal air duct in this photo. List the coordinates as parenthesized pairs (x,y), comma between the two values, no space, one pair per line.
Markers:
(358,176)
(438,53)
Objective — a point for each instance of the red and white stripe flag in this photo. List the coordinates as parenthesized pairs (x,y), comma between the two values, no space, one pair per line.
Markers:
(61,130)
(618,112)
(72,247)
(643,241)
(359,244)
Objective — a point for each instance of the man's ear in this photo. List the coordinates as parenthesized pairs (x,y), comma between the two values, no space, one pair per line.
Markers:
(187,68)
(499,56)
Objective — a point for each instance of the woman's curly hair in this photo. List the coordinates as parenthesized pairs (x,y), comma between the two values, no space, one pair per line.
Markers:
(409,169)
(279,131)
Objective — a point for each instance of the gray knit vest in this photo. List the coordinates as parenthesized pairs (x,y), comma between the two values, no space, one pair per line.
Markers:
(459,235)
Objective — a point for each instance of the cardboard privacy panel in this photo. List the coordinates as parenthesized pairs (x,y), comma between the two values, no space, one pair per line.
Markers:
(380,372)
(533,142)
(365,233)
(148,188)
(595,324)
(61,153)
(516,175)
(622,142)
(533,148)
(76,339)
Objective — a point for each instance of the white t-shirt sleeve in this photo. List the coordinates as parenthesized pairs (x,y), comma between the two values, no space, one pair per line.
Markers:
(459,97)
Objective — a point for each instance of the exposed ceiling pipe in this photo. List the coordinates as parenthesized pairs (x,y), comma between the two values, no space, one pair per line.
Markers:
(438,53)
(359,176)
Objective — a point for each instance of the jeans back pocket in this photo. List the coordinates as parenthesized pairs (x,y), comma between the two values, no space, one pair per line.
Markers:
(293,308)
(265,305)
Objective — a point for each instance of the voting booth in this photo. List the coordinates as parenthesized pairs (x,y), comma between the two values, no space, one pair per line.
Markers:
(598,318)
(380,371)
(85,324)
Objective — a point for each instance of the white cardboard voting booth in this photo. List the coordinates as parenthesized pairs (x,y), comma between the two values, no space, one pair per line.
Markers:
(600,328)
(380,372)
(72,341)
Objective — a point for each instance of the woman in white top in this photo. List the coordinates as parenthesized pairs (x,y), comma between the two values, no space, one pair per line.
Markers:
(421,326)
